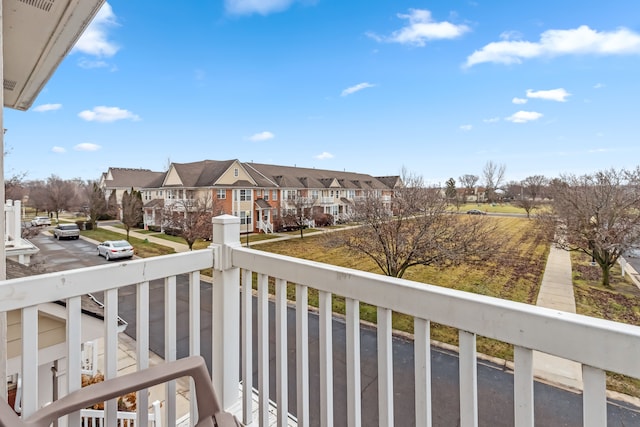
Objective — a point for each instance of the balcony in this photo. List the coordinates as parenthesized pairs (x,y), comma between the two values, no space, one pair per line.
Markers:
(250,346)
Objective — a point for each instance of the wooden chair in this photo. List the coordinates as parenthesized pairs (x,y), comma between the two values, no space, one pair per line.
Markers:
(210,414)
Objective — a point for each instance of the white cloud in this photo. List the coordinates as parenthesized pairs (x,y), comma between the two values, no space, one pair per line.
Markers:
(421,28)
(262,136)
(47,107)
(87,146)
(89,64)
(356,88)
(324,155)
(94,41)
(492,120)
(579,41)
(598,86)
(519,101)
(57,149)
(466,128)
(559,95)
(107,114)
(262,7)
(524,116)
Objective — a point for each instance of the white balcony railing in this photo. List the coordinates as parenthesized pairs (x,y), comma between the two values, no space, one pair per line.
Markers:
(599,345)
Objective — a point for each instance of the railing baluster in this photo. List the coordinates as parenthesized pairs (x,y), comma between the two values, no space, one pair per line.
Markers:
(74,344)
(281,351)
(326,358)
(194,336)
(111,350)
(247,347)
(354,411)
(142,346)
(523,386)
(385,368)
(422,365)
(302,354)
(468,380)
(29,360)
(170,348)
(263,350)
(594,399)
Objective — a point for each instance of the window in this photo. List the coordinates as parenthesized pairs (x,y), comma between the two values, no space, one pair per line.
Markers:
(266,195)
(245,195)
(258,193)
(236,172)
(244,218)
(274,195)
(221,193)
(314,194)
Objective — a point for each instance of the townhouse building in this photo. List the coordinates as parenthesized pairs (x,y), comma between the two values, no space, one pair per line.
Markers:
(257,193)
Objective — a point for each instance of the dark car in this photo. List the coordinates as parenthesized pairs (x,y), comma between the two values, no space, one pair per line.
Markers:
(476,212)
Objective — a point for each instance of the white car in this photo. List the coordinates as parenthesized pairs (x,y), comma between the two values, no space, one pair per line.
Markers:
(112,249)
(40,220)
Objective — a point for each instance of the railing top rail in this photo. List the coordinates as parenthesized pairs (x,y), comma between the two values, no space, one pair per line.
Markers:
(34,290)
(600,343)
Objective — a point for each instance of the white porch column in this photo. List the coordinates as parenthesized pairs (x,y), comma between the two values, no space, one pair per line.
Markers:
(3,255)
(226,311)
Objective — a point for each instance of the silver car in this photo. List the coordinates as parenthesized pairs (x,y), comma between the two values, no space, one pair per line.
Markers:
(112,249)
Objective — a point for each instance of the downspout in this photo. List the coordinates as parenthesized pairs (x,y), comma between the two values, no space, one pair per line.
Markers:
(3,257)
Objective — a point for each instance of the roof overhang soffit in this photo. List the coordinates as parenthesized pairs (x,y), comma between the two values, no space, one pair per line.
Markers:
(37,35)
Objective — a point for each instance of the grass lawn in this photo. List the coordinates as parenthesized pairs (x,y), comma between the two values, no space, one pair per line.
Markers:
(620,303)
(142,249)
(493,208)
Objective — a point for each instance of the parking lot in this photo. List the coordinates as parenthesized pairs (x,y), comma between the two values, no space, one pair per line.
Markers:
(58,255)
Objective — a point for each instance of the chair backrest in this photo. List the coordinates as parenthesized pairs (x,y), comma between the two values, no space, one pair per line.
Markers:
(209,411)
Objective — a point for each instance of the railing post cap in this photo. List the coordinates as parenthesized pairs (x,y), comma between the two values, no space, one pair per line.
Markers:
(226,219)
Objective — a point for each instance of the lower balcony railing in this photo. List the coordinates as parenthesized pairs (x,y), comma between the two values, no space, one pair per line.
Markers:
(598,345)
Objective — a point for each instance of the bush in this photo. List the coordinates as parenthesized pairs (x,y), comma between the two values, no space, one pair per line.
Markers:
(80,225)
(155,228)
(323,219)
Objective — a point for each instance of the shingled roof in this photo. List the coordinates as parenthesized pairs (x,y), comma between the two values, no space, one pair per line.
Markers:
(295,177)
(203,173)
(139,178)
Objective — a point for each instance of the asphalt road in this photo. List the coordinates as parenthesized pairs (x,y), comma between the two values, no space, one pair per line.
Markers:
(553,406)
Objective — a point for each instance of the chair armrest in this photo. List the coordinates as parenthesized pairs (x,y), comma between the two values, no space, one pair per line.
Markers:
(194,366)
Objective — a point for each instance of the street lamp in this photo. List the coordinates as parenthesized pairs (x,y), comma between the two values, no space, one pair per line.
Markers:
(246,219)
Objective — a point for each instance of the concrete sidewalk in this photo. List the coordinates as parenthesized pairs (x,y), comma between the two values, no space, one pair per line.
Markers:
(556,292)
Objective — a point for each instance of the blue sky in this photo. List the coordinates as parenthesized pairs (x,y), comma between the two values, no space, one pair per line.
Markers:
(440,88)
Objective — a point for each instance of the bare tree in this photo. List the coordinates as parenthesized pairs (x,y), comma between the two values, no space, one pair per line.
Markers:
(598,214)
(131,210)
(527,204)
(190,219)
(112,205)
(96,202)
(14,187)
(415,228)
(38,196)
(493,175)
(534,185)
(469,183)
(301,213)
(61,194)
